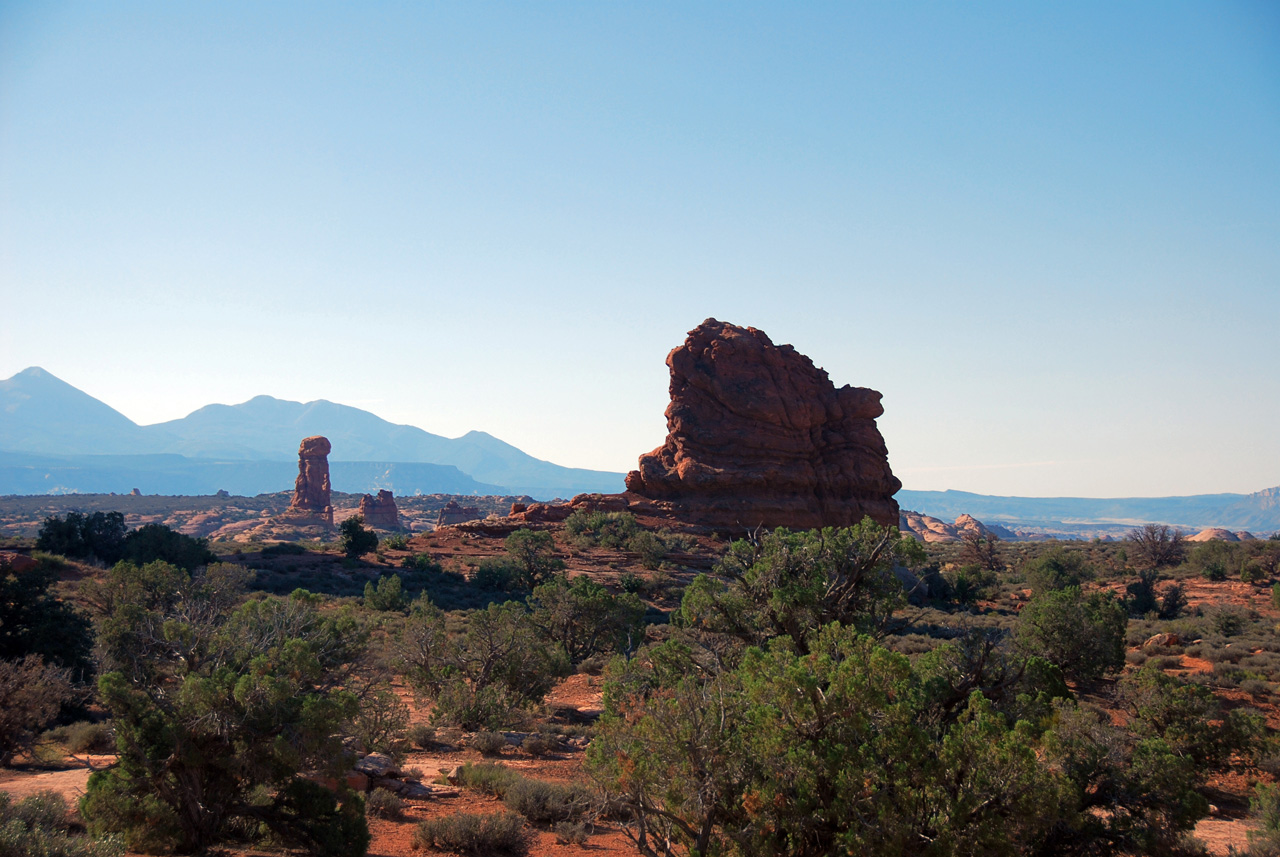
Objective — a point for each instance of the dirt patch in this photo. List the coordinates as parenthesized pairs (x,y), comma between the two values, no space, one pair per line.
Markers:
(1220,835)
(71,784)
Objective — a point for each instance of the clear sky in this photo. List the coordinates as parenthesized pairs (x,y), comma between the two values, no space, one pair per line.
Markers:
(1049,233)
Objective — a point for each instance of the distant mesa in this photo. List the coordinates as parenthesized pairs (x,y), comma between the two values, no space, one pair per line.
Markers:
(311,491)
(759,436)
(380,512)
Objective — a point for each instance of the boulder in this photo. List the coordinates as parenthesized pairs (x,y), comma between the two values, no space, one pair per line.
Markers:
(1162,640)
(311,490)
(16,562)
(759,436)
(376,766)
(380,512)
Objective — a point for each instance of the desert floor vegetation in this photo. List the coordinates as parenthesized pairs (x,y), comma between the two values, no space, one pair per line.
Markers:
(625,685)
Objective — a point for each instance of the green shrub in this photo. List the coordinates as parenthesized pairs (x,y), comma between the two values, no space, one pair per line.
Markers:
(84,737)
(34,621)
(1189,718)
(1081,634)
(45,809)
(495,575)
(500,664)
(605,529)
(571,833)
(970,583)
(1228,621)
(99,535)
(488,743)
(31,695)
(542,802)
(585,619)
(487,777)
(1058,568)
(396,542)
(792,584)
(218,704)
(283,549)
(540,745)
(380,725)
(473,834)
(532,554)
(422,736)
(1173,601)
(1213,571)
(651,548)
(631,583)
(355,539)
(1264,806)
(158,543)
(422,562)
(39,826)
(386,596)
(383,803)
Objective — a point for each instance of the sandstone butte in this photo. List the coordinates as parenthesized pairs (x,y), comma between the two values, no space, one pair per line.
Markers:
(380,512)
(311,492)
(759,436)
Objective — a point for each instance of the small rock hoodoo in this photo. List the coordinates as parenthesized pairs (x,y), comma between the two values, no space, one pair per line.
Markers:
(380,512)
(757,435)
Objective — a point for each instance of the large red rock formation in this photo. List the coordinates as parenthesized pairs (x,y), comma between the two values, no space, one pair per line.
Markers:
(311,492)
(757,435)
(380,512)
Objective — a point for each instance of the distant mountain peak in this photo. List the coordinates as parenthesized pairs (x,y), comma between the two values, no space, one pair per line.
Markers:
(45,415)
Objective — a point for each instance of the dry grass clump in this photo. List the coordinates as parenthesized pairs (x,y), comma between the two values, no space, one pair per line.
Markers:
(471,833)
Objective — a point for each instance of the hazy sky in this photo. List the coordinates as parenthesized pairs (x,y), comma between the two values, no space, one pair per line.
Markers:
(1048,233)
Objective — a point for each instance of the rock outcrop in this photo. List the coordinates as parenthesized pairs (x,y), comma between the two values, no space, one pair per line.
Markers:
(1210,534)
(757,435)
(380,512)
(311,491)
(926,528)
(455,513)
(18,563)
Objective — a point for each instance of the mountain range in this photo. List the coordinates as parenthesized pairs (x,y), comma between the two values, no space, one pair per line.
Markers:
(1259,513)
(55,438)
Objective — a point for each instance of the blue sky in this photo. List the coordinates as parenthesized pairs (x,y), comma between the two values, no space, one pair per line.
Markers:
(1048,233)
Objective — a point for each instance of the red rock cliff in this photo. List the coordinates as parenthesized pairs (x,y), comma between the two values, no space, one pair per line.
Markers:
(757,435)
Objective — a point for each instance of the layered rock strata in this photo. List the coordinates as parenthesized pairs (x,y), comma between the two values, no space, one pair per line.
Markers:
(380,512)
(311,490)
(455,513)
(759,436)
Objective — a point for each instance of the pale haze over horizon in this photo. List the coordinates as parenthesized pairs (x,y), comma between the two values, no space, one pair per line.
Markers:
(1049,234)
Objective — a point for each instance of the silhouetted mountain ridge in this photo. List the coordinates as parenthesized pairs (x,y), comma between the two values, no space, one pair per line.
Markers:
(46,416)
